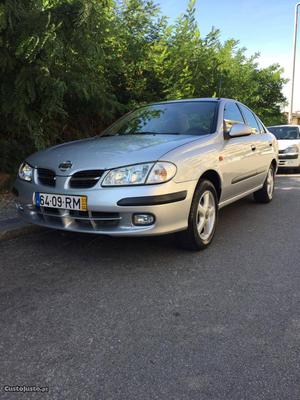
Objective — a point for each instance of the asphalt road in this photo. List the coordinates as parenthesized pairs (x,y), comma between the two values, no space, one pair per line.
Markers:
(109,319)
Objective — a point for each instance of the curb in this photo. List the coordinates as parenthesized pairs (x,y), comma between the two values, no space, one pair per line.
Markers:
(14,227)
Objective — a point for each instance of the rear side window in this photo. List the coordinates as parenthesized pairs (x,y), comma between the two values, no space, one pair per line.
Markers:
(250,119)
(232,115)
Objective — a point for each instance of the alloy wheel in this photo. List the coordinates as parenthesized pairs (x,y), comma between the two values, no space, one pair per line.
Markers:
(270,183)
(206,215)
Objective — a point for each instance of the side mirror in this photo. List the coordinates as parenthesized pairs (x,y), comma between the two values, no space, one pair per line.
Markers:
(240,130)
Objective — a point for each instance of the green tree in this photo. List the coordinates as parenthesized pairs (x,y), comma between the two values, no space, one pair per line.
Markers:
(70,67)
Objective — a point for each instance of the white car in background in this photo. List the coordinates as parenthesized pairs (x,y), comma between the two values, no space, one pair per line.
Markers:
(288,137)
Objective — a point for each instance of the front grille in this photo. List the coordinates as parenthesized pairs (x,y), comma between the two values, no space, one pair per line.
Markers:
(83,220)
(79,214)
(85,179)
(46,177)
(50,210)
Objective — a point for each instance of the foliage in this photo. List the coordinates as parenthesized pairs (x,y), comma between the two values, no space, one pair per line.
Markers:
(70,67)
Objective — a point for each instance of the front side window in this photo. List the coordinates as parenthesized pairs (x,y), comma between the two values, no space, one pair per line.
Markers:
(260,125)
(178,118)
(285,132)
(250,119)
(232,115)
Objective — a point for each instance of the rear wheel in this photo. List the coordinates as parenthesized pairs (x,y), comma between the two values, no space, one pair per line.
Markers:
(265,194)
(202,218)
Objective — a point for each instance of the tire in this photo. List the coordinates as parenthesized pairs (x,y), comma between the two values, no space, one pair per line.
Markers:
(265,194)
(202,222)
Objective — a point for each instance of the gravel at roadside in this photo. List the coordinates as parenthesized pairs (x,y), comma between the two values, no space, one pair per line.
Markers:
(7,206)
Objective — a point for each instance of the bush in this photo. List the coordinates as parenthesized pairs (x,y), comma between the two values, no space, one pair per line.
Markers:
(71,67)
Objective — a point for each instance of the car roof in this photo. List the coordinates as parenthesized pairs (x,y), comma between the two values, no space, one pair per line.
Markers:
(281,126)
(212,99)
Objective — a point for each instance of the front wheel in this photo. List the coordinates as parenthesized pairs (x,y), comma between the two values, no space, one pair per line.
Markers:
(202,218)
(265,194)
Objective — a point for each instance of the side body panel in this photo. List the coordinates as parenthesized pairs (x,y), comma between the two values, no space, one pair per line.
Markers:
(241,163)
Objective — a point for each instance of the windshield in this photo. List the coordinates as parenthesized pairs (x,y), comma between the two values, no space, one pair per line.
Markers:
(285,132)
(179,118)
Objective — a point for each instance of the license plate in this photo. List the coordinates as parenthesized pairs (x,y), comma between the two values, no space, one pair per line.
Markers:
(61,201)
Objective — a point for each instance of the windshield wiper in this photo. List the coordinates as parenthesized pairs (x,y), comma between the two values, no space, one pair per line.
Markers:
(155,133)
(142,133)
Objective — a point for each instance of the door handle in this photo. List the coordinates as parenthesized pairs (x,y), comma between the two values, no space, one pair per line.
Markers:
(253,148)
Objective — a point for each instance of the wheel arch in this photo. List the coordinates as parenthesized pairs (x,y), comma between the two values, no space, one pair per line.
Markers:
(274,163)
(214,177)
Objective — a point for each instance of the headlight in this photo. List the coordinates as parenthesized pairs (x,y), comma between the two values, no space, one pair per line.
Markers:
(25,172)
(291,149)
(140,174)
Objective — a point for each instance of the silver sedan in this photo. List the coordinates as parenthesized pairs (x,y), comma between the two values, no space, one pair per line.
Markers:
(163,168)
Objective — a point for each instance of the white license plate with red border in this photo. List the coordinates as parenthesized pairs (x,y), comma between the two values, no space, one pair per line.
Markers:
(66,202)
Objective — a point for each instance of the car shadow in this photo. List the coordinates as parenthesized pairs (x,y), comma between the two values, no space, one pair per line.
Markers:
(91,246)
(239,224)
(287,172)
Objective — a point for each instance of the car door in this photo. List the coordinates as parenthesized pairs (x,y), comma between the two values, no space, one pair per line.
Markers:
(262,146)
(265,148)
(239,156)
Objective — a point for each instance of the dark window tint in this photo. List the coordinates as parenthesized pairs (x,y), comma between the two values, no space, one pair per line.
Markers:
(178,118)
(232,115)
(250,119)
(285,132)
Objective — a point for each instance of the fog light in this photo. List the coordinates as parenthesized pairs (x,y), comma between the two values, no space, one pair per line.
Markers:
(143,219)
(19,207)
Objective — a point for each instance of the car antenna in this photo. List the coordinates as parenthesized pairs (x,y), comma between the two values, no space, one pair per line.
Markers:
(220,87)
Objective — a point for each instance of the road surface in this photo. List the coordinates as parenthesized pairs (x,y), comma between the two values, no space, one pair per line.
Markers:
(116,319)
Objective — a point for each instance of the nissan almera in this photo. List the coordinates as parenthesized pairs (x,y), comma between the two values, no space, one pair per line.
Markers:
(163,168)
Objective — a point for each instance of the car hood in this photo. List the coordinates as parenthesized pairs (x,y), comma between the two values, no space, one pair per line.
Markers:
(283,144)
(108,152)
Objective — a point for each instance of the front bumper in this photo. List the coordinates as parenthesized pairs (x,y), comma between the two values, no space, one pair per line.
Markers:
(111,210)
(289,161)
